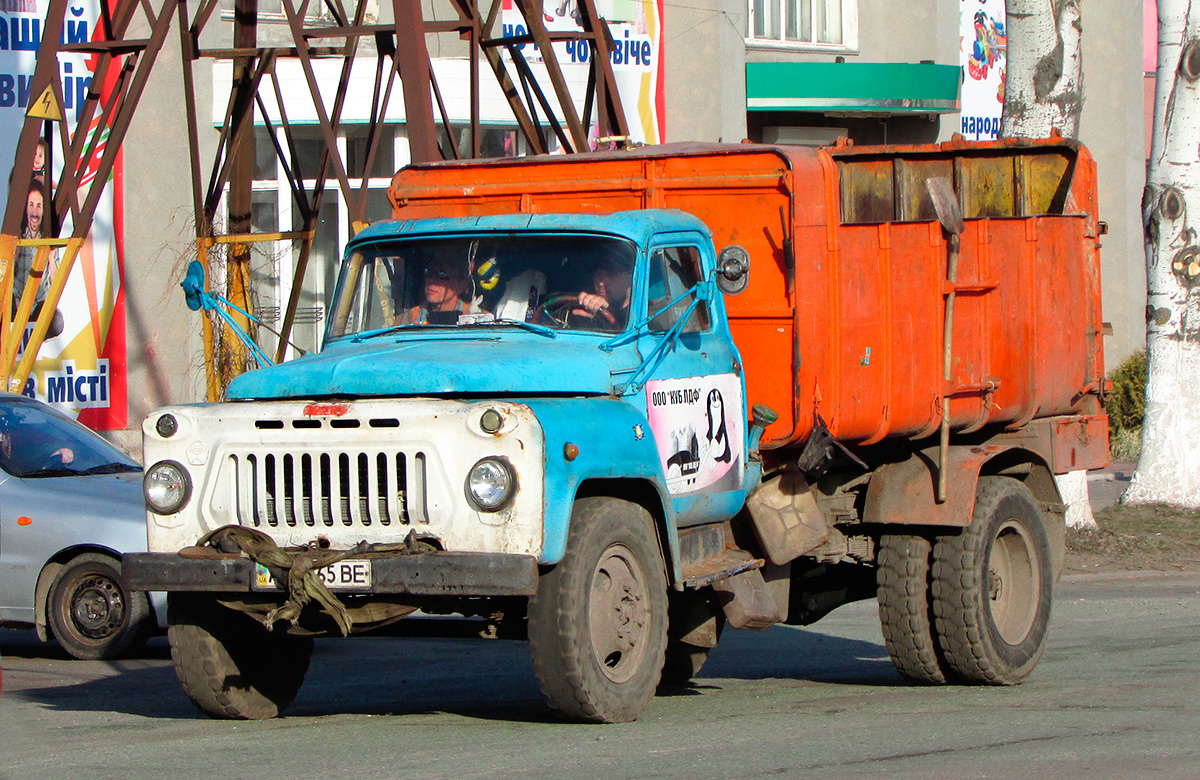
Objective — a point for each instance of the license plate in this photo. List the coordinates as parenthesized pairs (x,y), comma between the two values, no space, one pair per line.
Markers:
(343,575)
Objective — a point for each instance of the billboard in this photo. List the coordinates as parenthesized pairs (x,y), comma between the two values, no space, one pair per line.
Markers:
(637,55)
(81,366)
(983,53)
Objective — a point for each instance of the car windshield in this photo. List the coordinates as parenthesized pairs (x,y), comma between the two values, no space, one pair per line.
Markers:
(37,441)
(541,282)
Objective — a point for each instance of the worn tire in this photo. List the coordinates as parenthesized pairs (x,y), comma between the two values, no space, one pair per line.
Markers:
(598,623)
(231,667)
(992,587)
(905,608)
(91,612)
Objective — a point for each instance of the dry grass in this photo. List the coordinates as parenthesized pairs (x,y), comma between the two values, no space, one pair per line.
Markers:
(1135,538)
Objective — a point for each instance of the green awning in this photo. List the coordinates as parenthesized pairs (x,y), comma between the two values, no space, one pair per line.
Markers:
(852,87)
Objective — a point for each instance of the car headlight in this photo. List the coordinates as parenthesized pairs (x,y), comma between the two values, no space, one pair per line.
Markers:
(167,487)
(491,484)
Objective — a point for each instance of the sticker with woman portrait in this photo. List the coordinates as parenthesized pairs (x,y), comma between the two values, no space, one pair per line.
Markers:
(698,428)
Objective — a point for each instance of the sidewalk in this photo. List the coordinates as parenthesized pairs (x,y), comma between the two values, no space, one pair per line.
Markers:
(1106,486)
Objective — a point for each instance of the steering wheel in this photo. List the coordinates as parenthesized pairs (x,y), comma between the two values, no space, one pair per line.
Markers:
(560,308)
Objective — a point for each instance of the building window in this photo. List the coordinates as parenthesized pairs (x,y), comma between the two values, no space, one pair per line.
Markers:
(822,24)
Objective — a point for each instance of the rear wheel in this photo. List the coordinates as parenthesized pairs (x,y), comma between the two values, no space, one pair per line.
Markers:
(230,665)
(992,587)
(905,612)
(92,614)
(598,623)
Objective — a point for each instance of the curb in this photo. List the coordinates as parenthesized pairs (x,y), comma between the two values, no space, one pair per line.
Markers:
(1136,574)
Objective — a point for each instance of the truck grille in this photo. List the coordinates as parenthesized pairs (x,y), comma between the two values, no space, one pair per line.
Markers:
(347,489)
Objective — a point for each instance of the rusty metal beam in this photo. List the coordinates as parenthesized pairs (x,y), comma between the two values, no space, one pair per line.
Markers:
(525,122)
(532,11)
(187,49)
(610,113)
(413,59)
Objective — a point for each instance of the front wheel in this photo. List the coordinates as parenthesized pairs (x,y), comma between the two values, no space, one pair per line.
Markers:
(91,612)
(598,623)
(991,587)
(230,665)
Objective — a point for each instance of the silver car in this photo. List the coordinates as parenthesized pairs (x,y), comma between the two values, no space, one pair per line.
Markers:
(70,506)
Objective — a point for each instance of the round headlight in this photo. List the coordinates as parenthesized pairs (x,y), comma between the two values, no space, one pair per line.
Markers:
(491,484)
(167,426)
(167,487)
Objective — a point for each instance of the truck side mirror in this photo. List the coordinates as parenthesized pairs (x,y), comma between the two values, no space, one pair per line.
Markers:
(733,269)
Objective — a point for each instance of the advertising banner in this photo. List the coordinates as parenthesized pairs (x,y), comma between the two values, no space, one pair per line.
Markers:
(80,367)
(983,52)
(699,445)
(637,56)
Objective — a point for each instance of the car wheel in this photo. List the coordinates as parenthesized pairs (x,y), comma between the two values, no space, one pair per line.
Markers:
(91,612)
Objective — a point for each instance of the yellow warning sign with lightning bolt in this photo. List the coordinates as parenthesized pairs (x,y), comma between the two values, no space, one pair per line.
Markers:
(46,106)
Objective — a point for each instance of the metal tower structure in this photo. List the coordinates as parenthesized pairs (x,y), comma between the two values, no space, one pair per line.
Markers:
(130,38)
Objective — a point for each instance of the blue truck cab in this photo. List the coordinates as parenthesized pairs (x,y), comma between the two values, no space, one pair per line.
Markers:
(536,418)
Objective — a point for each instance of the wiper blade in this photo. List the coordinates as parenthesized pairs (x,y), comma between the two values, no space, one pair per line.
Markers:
(532,327)
(54,472)
(111,468)
(370,334)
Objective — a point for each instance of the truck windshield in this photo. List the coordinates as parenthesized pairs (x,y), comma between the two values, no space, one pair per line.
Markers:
(574,282)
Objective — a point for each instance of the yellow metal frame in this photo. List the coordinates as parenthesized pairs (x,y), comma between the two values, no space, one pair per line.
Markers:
(13,325)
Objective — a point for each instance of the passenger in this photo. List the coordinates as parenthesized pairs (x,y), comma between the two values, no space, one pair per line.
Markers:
(608,303)
(446,284)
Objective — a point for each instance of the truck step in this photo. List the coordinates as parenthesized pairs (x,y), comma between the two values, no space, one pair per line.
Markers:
(718,567)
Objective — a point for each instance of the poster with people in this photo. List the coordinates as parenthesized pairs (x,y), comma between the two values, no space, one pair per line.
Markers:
(697,425)
(983,51)
(80,367)
(637,56)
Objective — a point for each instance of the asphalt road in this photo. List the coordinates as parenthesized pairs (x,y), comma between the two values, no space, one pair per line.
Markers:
(1117,695)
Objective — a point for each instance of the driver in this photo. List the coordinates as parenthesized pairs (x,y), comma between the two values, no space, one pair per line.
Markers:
(24,448)
(446,285)
(608,303)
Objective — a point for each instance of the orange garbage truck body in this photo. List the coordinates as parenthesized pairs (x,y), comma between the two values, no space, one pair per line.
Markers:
(843,319)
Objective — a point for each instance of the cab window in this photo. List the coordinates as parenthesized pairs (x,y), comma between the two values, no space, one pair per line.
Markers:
(673,271)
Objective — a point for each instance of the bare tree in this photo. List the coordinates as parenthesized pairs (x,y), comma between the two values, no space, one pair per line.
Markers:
(1043,89)
(1171,432)
(1043,92)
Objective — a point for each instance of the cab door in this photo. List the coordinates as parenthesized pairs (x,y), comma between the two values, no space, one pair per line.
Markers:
(695,390)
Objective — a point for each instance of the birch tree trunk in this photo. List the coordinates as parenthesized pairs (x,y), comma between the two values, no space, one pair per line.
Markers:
(1043,87)
(1166,470)
(1043,91)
